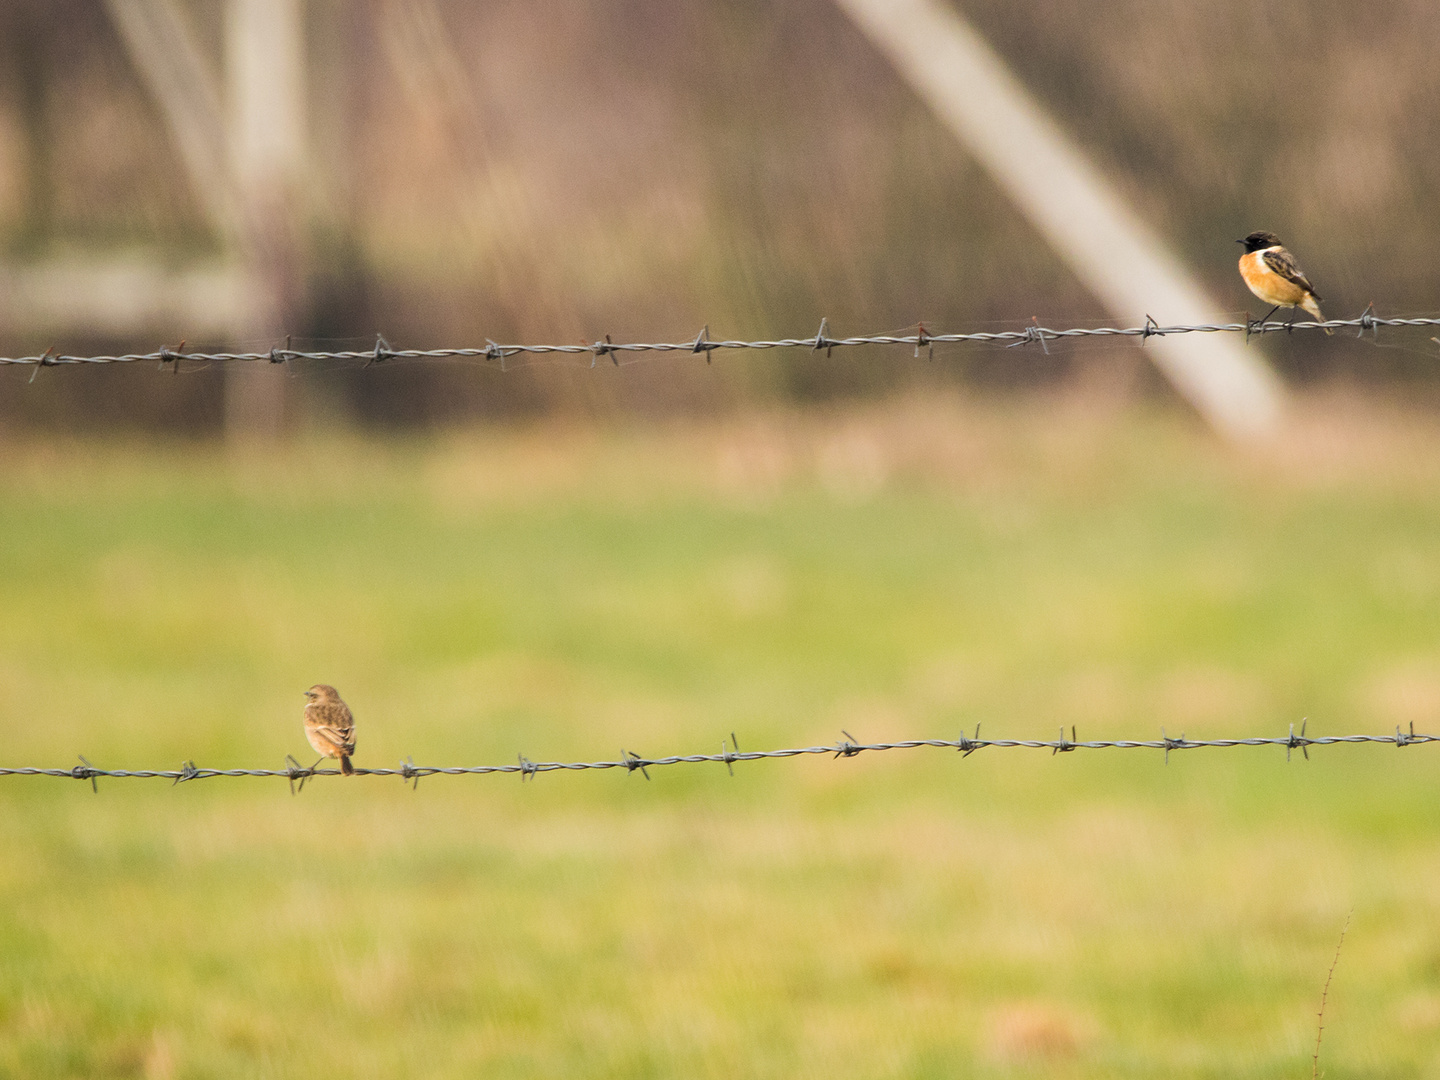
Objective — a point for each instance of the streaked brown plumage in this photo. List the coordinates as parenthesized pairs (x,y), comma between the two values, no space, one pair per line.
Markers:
(329,725)
(1272,274)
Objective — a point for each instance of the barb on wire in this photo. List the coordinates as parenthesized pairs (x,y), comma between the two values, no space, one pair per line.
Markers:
(187,772)
(1036,332)
(633,761)
(86,771)
(847,747)
(922,338)
(702,343)
(43,360)
(728,757)
(823,342)
(1298,740)
(293,771)
(605,348)
(383,352)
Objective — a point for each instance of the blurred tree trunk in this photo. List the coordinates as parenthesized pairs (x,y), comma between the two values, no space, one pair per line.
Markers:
(265,71)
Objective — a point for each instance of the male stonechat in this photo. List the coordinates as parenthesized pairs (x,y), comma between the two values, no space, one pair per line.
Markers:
(1275,277)
(329,725)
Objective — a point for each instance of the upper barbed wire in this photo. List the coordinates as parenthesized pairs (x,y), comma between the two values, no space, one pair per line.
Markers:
(731,753)
(382,351)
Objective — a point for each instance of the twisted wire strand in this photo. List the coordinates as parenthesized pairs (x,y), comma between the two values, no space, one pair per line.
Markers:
(844,748)
(383,352)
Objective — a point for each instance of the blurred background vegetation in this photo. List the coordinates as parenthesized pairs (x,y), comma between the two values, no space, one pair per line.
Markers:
(556,172)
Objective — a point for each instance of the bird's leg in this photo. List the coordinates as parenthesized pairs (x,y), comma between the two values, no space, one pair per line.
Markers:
(1254,327)
(317,764)
(1294,314)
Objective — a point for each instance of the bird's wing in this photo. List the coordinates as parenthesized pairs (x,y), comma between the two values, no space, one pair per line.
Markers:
(343,739)
(1284,264)
(332,721)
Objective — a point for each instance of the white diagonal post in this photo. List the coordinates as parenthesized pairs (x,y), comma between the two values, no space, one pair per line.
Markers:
(1099,237)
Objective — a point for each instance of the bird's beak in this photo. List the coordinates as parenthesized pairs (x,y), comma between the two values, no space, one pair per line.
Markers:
(1239,241)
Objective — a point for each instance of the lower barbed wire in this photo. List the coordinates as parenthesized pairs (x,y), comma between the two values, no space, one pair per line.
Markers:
(847,747)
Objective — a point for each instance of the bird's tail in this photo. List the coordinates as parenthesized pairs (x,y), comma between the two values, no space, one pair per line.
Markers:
(1313,308)
(346,768)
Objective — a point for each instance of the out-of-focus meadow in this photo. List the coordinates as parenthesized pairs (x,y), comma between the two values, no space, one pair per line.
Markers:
(563,592)
(566,563)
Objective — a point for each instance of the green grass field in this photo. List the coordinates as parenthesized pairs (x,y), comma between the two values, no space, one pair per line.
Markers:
(906,570)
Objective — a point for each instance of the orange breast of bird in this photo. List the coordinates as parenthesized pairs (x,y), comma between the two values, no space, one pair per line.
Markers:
(1266,284)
